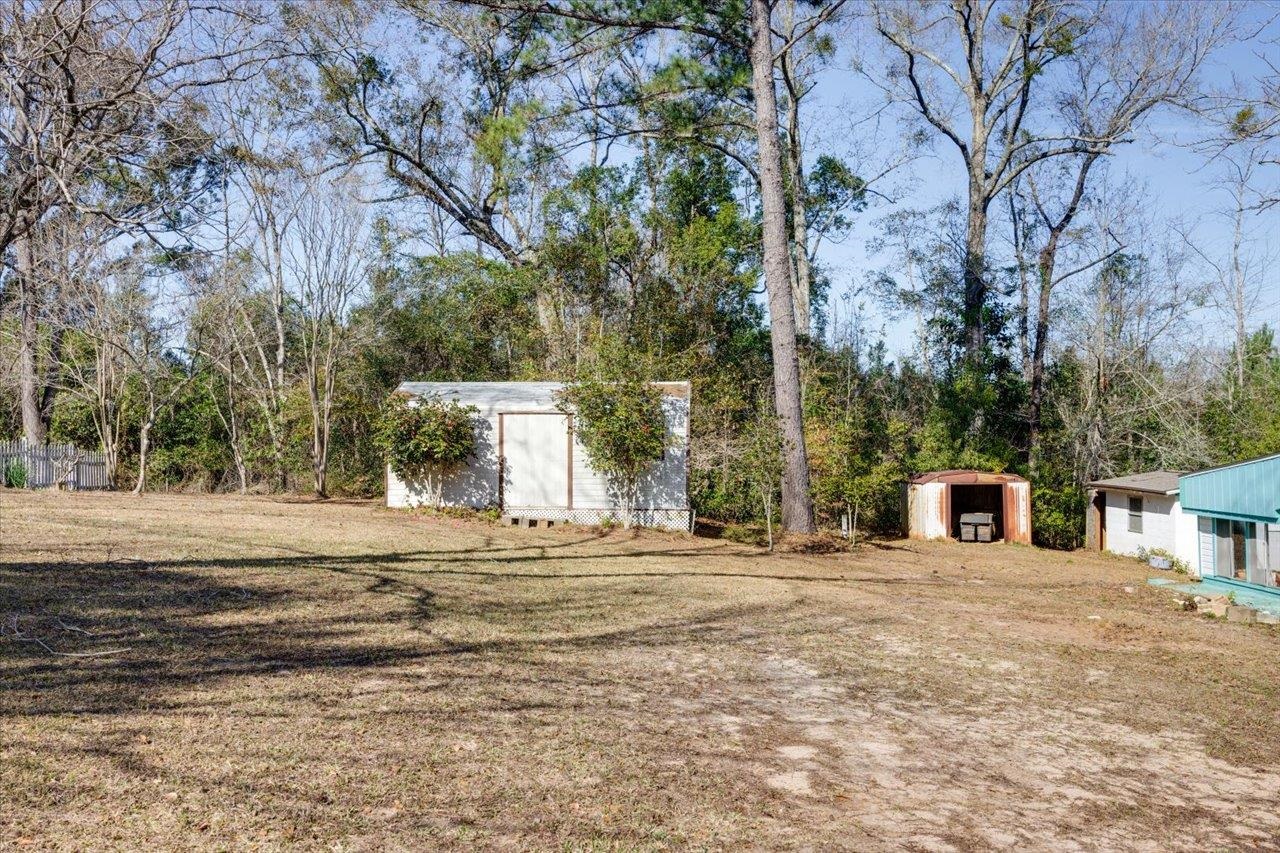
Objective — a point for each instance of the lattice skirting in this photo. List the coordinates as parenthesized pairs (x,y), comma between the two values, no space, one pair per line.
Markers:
(669,519)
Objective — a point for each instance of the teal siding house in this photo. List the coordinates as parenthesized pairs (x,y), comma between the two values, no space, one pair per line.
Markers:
(1237,510)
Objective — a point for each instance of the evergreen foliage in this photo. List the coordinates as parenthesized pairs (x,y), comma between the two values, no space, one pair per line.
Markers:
(618,417)
(422,440)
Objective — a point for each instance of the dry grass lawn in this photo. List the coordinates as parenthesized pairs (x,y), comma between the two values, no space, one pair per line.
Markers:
(345,677)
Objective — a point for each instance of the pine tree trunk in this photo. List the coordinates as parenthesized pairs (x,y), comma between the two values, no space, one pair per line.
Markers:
(800,231)
(797,503)
(802,281)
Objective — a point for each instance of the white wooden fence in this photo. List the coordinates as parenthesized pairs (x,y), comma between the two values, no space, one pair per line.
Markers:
(49,465)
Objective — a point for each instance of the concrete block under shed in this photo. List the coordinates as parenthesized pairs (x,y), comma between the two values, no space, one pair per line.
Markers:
(520,521)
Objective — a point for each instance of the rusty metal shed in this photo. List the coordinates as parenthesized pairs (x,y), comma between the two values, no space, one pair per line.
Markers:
(933,503)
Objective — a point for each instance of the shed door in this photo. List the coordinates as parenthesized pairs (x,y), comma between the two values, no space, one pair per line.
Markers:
(535,450)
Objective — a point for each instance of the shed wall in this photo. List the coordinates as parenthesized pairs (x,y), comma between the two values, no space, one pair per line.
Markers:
(663,499)
(1017,513)
(664,487)
(474,485)
(927,511)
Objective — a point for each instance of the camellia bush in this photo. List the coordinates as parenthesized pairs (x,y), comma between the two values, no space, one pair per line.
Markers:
(424,439)
(622,428)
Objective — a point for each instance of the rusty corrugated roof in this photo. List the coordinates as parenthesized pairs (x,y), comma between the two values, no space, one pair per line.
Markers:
(961,477)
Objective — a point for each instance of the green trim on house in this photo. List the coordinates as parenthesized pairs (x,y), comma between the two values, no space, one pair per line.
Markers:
(1244,491)
(1252,587)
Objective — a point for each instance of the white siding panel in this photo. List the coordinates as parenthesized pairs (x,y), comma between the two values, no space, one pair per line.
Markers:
(1208,546)
(474,484)
(1186,537)
(666,484)
(590,489)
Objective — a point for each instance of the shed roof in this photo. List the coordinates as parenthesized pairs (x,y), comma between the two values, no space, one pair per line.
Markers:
(960,477)
(492,397)
(1150,482)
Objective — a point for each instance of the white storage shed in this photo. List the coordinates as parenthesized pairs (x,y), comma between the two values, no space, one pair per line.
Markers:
(530,465)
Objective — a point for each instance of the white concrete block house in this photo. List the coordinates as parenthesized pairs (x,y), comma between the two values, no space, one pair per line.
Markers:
(1141,511)
(529,463)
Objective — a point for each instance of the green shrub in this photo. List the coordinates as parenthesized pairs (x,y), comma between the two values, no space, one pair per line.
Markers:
(746,534)
(423,439)
(15,474)
(622,428)
(1057,515)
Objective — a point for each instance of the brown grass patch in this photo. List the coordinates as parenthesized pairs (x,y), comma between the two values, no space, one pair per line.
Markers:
(338,675)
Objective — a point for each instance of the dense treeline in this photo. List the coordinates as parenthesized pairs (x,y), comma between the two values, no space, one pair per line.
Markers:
(229,231)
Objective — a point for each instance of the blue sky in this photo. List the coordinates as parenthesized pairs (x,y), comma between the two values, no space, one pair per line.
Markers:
(1182,185)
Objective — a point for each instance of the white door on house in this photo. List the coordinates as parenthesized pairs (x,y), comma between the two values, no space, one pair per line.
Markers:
(535,449)
(1208,546)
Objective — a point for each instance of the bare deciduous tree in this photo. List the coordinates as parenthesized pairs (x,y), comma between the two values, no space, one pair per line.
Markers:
(977,73)
(1253,121)
(93,314)
(90,90)
(1134,60)
(327,263)
(1141,372)
(1238,274)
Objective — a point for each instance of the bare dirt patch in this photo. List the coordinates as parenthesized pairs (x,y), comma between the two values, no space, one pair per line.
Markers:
(342,676)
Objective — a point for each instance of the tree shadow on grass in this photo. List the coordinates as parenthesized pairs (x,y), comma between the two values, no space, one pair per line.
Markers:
(141,634)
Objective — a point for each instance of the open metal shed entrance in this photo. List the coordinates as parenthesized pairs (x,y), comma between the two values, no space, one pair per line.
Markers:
(934,503)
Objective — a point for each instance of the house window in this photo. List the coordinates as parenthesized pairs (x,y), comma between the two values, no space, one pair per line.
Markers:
(1135,515)
(1223,559)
